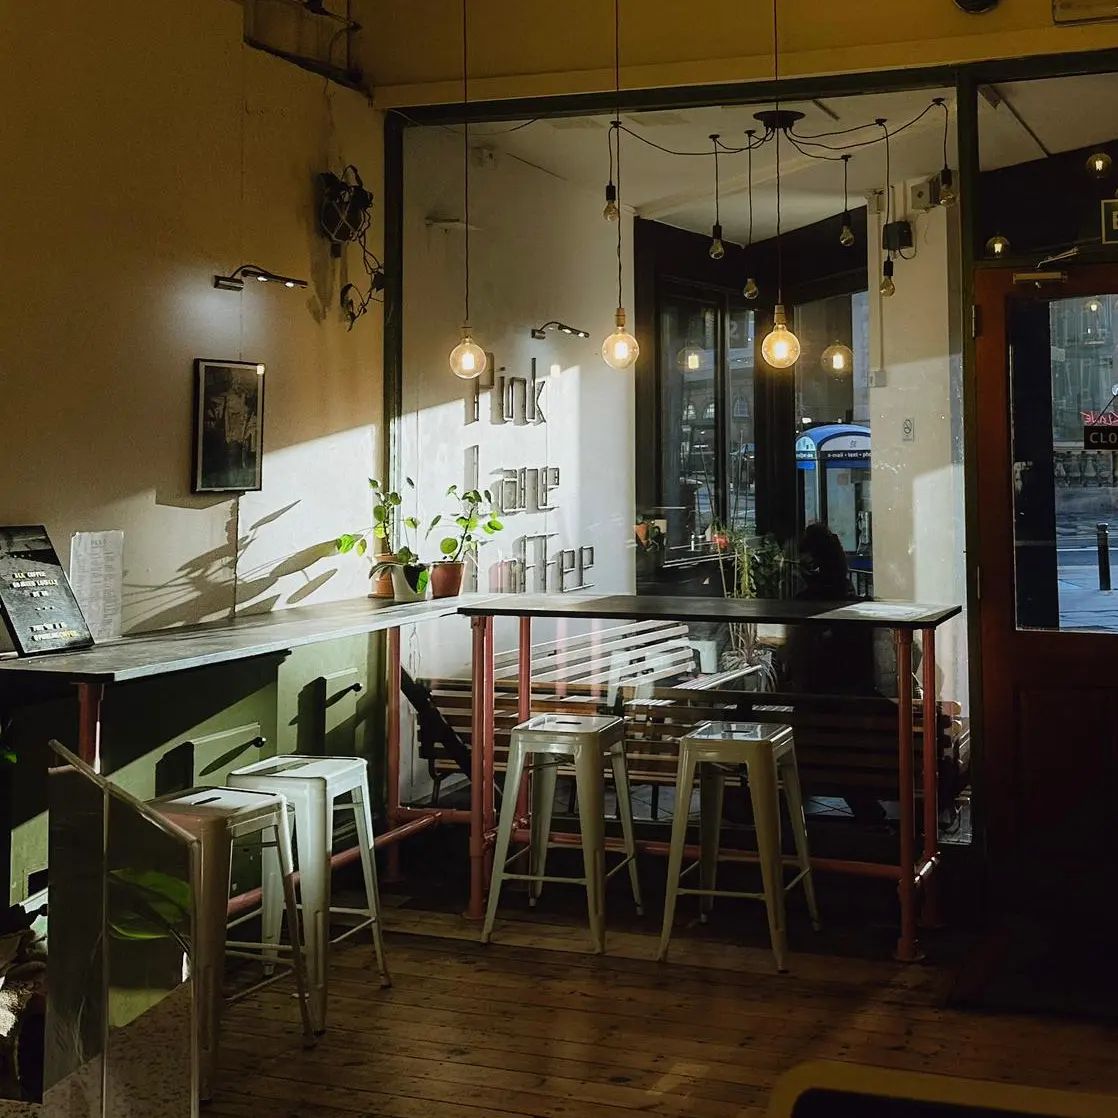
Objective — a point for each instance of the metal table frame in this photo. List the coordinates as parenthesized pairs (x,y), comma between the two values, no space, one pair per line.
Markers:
(916,872)
(170,651)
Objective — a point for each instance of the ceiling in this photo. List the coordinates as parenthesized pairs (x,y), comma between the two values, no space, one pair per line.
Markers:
(1061,113)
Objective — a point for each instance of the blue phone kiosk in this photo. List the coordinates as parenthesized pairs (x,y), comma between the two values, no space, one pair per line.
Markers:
(833,465)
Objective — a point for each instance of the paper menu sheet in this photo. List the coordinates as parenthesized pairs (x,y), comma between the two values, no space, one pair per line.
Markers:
(97,576)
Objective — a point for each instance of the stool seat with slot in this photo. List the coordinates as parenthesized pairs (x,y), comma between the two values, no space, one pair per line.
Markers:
(767,752)
(313,785)
(592,744)
(219,817)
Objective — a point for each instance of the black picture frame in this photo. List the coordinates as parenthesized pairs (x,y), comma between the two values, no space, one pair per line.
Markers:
(228,426)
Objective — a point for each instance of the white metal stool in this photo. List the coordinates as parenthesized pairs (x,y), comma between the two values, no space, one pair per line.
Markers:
(218,817)
(768,752)
(312,785)
(592,743)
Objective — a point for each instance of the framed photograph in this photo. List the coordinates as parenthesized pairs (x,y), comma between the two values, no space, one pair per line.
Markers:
(228,426)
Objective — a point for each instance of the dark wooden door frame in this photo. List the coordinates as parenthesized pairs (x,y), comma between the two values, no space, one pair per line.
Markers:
(1015,661)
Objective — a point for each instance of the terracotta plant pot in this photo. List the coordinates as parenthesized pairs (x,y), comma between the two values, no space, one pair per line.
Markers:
(446,579)
(382,580)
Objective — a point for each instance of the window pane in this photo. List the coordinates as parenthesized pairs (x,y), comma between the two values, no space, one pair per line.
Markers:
(1065,501)
(741,447)
(688,367)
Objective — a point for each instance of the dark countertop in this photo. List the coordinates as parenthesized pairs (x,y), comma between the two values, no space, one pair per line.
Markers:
(639,607)
(217,642)
(176,650)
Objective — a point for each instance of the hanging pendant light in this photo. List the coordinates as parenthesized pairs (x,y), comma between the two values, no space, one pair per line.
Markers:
(837,358)
(467,359)
(717,248)
(781,347)
(620,349)
(846,234)
(750,290)
(948,196)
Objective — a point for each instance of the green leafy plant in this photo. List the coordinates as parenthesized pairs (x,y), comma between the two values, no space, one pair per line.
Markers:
(388,525)
(475,522)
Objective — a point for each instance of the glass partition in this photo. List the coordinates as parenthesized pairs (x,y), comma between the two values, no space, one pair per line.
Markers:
(119,1033)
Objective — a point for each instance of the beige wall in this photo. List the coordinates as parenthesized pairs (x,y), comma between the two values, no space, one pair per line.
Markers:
(411,51)
(144,148)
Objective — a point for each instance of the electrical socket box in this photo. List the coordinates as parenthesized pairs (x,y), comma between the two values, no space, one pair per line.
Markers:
(923,196)
(896,236)
(878,378)
(875,202)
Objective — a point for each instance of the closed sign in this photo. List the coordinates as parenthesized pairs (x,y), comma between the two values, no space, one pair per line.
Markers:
(1100,436)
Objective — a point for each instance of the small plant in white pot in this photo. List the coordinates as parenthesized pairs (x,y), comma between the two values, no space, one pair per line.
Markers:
(395,572)
(475,522)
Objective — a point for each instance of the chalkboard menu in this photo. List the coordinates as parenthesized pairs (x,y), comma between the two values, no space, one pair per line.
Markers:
(36,602)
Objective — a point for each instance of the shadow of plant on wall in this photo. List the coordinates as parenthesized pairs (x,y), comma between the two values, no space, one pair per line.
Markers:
(213,586)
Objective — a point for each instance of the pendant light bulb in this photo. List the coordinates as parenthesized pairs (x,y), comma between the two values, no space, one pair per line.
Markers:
(717,248)
(837,359)
(1099,164)
(612,211)
(846,236)
(781,348)
(751,290)
(998,246)
(620,349)
(467,359)
(690,358)
(947,193)
(888,288)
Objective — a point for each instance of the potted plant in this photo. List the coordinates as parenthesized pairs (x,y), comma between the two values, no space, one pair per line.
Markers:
(395,572)
(475,521)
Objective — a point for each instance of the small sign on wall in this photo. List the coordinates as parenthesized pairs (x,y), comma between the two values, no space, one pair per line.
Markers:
(1100,436)
(1109,207)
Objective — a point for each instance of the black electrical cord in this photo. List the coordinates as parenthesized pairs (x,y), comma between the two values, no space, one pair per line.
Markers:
(617,125)
(717,188)
(749,190)
(846,184)
(466,153)
(776,99)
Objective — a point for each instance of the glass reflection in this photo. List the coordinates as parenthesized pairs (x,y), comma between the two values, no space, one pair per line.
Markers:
(120,1006)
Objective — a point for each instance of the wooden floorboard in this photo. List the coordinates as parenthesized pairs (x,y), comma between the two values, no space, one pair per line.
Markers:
(534,1024)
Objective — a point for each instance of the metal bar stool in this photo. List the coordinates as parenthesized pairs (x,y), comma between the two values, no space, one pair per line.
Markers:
(312,786)
(218,817)
(767,751)
(592,743)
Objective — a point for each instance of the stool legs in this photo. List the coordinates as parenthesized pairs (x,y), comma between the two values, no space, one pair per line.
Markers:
(790,777)
(712,785)
(298,959)
(209,953)
(513,776)
(625,812)
(545,776)
(590,778)
(363,820)
(314,821)
(271,904)
(766,816)
(685,778)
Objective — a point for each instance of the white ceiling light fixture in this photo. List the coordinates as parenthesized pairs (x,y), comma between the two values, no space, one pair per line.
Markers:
(467,359)
(619,350)
(781,347)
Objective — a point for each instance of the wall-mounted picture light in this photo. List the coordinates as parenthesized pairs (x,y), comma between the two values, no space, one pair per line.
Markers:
(540,332)
(235,281)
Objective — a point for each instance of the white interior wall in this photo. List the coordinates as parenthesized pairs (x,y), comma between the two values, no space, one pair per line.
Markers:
(143,153)
(917,484)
